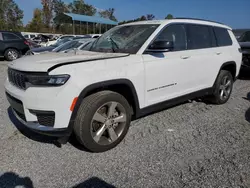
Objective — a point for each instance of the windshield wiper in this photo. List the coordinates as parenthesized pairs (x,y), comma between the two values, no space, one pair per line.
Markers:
(113,43)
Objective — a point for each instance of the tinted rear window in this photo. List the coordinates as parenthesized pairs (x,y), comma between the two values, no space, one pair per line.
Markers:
(199,36)
(10,36)
(222,36)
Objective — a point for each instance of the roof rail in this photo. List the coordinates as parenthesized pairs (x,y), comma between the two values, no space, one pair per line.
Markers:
(199,20)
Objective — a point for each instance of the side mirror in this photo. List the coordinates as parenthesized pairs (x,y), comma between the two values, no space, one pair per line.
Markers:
(161,46)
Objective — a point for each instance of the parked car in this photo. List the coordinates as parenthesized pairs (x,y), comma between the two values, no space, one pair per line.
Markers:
(130,71)
(12,45)
(244,41)
(41,39)
(67,37)
(36,51)
(94,35)
(77,44)
(33,44)
(29,36)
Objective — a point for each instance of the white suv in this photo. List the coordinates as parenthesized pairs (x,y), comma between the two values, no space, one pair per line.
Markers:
(129,72)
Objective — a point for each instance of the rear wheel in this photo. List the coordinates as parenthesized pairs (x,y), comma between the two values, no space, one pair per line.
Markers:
(11,54)
(102,121)
(223,88)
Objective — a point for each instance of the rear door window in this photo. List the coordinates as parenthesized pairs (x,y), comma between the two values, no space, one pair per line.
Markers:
(199,37)
(222,36)
(10,36)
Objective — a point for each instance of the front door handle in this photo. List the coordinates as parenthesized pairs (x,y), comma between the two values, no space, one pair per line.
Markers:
(218,53)
(185,57)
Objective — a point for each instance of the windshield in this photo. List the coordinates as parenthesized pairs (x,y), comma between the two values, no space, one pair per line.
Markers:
(124,39)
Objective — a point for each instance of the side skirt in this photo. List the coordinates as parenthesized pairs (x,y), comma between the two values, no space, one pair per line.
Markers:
(172,102)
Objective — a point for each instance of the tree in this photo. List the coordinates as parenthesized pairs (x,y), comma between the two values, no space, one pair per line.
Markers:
(59,8)
(47,12)
(80,7)
(142,18)
(109,14)
(36,23)
(10,15)
(169,16)
(150,17)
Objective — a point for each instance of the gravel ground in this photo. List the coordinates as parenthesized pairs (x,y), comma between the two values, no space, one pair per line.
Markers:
(190,145)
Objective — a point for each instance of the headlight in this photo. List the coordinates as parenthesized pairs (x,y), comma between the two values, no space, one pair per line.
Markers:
(48,80)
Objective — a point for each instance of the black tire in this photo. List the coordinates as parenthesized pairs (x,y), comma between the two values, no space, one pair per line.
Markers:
(216,98)
(85,115)
(15,54)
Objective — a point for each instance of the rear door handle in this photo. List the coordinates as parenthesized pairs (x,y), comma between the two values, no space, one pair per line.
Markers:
(185,57)
(218,53)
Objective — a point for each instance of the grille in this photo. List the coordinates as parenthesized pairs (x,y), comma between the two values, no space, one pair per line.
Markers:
(17,78)
(46,119)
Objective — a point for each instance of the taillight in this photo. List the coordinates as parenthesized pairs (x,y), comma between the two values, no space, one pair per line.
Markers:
(26,42)
(240,50)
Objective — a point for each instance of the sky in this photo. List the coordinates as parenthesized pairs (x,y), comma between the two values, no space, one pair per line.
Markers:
(235,13)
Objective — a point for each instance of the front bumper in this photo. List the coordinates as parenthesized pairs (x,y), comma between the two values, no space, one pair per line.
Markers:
(43,99)
(49,131)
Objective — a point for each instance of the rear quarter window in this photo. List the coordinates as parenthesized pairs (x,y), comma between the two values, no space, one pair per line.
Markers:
(222,36)
(10,36)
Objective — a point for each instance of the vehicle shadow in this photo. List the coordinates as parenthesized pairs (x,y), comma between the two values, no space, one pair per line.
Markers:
(74,142)
(244,74)
(247,114)
(94,182)
(29,133)
(13,180)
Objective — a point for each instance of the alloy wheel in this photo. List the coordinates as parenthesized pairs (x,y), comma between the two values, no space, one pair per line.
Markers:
(225,88)
(13,55)
(108,123)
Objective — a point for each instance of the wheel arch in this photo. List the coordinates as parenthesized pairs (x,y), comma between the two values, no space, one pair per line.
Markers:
(229,66)
(122,86)
(11,48)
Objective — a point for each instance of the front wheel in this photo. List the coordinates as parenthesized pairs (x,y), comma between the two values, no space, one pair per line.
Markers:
(102,121)
(223,88)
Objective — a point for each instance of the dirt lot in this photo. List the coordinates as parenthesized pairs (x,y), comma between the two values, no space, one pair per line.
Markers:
(191,145)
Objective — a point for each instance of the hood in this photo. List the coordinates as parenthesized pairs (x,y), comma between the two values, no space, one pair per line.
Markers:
(244,44)
(43,49)
(47,61)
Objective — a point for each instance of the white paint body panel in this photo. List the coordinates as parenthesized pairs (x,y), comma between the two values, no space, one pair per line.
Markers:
(145,71)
